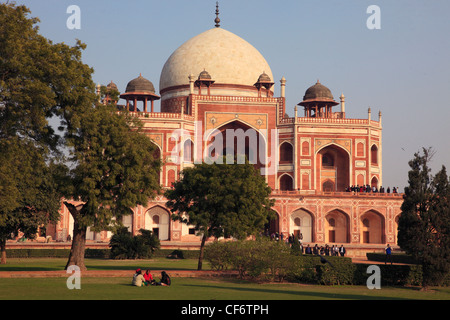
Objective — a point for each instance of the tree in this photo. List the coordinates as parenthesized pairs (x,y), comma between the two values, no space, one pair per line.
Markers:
(126,246)
(115,169)
(424,224)
(29,196)
(230,200)
(34,83)
(111,167)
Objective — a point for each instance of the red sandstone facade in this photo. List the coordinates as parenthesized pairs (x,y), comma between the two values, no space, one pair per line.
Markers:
(309,160)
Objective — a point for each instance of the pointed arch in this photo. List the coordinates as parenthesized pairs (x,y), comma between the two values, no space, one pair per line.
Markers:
(337,226)
(374,155)
(286,152)
(188,150)
(157,220)
(333,166)
(301,223)
(372,227)
(286,182)
(236,139)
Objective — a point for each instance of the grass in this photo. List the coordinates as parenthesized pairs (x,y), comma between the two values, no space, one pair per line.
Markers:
(199,289)
(182,288)
(54,264)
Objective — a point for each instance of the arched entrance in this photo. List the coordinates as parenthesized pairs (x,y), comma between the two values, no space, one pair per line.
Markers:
(237,141)
(333,166)
(372,227)
(157,221)
(301,223)
(336,227)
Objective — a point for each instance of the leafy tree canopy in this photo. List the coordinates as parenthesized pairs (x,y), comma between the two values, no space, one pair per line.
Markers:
(230,200)
(424,224)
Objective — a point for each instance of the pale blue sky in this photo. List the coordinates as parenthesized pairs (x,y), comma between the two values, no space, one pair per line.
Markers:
(402,70)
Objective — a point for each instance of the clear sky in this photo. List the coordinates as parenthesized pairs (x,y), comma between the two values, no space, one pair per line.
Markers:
(402,69)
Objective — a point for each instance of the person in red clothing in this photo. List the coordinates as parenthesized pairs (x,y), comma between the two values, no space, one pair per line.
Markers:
(148,278)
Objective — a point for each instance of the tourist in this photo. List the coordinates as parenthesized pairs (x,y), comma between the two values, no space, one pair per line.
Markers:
(308,249)
(138,279)
(342,250)
(316,249)
(388,250)
(148,278)
(165,279)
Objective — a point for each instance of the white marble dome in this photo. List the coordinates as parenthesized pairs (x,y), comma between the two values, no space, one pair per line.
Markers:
(228,58)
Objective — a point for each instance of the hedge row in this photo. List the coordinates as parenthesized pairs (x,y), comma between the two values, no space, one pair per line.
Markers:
(395,257)
(54,253)
(271,260)
(94,253)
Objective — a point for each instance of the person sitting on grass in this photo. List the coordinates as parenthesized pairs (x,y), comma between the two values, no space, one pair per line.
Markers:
(165,280)
(148,278)
(138,279)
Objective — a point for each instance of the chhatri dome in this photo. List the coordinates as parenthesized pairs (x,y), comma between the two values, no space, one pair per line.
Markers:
(229,60)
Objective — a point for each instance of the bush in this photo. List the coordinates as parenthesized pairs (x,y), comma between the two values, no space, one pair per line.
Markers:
(126,246)
(218,255)
(396,257)
(176,254)
(260,259)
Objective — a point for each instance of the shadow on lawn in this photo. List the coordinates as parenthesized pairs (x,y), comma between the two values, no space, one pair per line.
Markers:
(303,294)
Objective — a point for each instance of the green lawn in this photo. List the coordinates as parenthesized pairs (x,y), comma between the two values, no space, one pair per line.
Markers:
(199,289)
(54,264)
(182,288)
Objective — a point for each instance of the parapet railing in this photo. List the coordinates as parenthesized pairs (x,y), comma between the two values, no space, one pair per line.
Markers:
(336,193)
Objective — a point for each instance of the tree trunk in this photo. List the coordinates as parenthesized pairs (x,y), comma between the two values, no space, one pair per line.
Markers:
(76,256)
(200,258)
(3,250)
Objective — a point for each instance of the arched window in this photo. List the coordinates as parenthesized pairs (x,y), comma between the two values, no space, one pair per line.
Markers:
(286,183)
(305,148)
(188,151)
(297,222)
(286,152)
(360,149)
(374,155)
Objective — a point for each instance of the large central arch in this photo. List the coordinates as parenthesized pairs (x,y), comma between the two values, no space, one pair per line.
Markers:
(237,140)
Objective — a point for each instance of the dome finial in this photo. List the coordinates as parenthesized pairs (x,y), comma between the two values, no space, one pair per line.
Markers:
(217,20)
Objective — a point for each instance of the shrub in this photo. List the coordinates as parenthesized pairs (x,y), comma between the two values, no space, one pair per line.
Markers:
(218,255)
(260,259)
(125,246)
